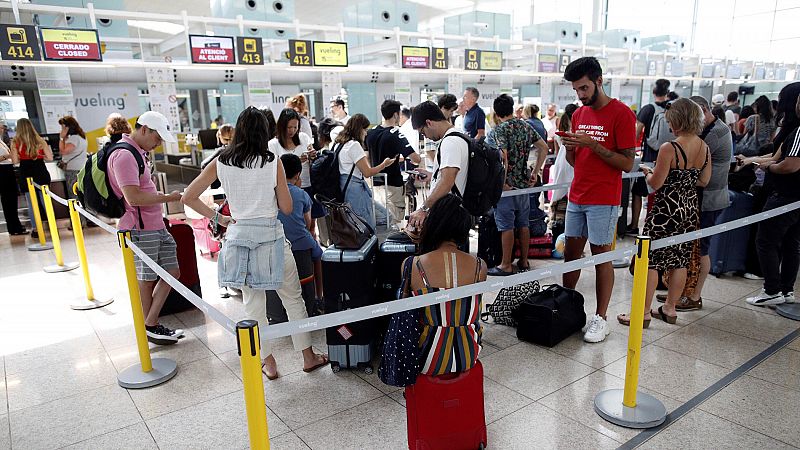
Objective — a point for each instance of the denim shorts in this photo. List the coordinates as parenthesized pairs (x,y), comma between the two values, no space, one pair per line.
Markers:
(512,212)
(596,222)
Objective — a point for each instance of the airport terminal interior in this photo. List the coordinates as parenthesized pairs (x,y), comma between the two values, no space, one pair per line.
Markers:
(560,104)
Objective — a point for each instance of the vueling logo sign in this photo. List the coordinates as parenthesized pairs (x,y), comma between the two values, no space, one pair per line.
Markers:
(117,102)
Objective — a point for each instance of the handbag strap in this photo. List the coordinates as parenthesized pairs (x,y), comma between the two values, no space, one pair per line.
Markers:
(405,284)
(350,176)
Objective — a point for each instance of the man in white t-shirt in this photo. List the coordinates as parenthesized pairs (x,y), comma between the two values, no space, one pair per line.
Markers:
(450,166)
(730,117)
(338,111)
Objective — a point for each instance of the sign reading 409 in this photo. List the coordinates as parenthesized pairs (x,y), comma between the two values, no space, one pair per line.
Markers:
(19,43)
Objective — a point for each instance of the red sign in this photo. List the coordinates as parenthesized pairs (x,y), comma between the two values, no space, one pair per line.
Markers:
(212,49)
(416,57)
(66,44)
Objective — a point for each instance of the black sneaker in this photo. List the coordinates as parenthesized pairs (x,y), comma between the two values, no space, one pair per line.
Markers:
(34,234)
(161,335)
(630,231)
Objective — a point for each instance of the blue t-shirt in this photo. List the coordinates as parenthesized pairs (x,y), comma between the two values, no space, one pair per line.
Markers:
(474,120)
(294,225)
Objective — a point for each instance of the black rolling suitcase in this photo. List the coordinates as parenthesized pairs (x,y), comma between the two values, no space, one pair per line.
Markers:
(305,270)
(728,251)
(389,265)
(490,249)
(349,282)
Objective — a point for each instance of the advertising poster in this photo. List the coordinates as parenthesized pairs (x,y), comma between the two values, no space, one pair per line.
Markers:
(55,94)
(94,102)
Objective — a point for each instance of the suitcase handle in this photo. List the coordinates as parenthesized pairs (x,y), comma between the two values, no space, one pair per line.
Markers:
(450,378)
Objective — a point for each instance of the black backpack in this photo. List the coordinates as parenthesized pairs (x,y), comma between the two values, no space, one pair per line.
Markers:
(94,187)
(486,175)
(325,176)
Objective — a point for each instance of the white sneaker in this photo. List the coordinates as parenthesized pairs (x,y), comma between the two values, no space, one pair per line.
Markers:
(764,299)
(788,297)
(597,330)
(751,276)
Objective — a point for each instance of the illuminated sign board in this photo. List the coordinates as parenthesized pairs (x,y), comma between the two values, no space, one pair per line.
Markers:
(330,54)
(548,63)
(249,51)
(439,58)
(70,44)
(482,60)
(212,49)
(416,57)
(19,43)
(300,53)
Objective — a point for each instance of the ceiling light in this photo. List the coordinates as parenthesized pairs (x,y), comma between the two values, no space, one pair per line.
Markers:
(161,27)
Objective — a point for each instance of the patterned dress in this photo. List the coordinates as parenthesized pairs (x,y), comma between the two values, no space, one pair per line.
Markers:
(675,211)
(451,332)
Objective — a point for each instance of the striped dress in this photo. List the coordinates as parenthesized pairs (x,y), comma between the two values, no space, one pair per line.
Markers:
(451,332)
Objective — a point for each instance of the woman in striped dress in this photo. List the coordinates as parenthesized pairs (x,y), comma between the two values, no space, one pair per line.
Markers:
(451,333)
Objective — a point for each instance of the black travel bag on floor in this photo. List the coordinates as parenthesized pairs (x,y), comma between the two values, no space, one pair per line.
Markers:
(549,316)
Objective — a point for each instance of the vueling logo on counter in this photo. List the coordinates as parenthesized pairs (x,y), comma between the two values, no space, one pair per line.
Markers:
(118,102)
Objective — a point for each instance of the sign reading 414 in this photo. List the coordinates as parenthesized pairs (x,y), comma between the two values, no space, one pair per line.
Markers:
(19,43)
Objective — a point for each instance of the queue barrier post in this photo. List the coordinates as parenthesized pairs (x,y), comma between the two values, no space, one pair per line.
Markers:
(789,310)
(248,341)
(36,217)
(59,266)
(625,407)
(90,302)
(148,372)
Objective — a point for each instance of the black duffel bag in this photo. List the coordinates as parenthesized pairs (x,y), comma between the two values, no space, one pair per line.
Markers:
(549,316)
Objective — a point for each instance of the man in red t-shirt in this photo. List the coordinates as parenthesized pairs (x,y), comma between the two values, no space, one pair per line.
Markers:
(600,147)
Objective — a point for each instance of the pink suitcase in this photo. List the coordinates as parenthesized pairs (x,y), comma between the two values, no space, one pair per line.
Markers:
(202,235)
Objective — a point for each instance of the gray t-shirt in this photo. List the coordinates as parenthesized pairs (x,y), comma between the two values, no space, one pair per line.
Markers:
(76,159)
(720,144)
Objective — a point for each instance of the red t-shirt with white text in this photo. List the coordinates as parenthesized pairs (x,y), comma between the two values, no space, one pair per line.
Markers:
(614,127)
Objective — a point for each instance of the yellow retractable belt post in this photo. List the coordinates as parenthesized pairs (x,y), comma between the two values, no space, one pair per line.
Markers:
(149,372)
(626,407)
(90,302)
(36,217)
(249,344)
(59,266)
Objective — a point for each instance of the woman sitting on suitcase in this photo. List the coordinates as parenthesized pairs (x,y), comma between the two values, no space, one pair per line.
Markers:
(451,332)
(256,256)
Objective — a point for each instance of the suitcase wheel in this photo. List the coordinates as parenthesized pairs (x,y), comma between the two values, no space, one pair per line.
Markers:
(335,367)
(482,446)
(368,369)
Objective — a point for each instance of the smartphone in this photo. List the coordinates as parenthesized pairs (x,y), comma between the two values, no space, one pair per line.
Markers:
(562,133)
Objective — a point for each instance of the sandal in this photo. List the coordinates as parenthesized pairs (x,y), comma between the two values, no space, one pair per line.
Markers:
(625,320)
(523,268)
(322,364)
(264,371)
(498,272)
(663,316)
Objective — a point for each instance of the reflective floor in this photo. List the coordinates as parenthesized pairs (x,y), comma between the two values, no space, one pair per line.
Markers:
(58,374)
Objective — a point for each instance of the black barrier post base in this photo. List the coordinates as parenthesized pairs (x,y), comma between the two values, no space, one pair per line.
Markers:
(789,310)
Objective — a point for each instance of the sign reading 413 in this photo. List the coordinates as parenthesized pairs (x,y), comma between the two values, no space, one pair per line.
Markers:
(19,43)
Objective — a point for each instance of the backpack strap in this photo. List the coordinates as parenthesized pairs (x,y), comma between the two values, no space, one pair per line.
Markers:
(468,140)
(139,162)
(349,176)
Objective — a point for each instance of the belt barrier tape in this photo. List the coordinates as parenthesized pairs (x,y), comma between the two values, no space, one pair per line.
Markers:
(395,306)
(550,187)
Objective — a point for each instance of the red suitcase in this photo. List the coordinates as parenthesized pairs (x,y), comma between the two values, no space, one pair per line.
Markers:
(446,412)
(202,236)
(539,247)
(187,262)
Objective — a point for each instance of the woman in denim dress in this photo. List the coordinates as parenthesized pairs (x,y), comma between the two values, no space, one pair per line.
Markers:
(256,257)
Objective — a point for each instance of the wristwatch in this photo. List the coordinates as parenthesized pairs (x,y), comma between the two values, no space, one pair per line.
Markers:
(425,209)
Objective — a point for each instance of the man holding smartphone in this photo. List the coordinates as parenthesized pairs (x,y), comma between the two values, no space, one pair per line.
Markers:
(386,141)
(600,147)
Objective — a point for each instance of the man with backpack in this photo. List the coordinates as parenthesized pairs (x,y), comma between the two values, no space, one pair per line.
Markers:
(601,146)
(386,141)
(131,180)
(651,124)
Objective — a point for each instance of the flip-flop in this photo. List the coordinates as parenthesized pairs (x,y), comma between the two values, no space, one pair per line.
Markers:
(324,362)
(661,315)
(264,371)
(626,321)
(523,269)
(498,272)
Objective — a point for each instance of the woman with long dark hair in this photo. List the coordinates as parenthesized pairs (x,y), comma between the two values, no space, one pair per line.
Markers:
(256,256)
(31,151)
(759,128)
(451,332)
(73,149)
(354,167)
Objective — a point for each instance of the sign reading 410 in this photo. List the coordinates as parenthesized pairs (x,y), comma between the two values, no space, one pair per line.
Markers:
(19,43)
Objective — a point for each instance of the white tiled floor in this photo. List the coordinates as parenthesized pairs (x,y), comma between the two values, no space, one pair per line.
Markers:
(58,369)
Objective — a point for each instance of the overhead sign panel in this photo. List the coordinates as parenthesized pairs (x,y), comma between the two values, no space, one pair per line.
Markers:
(482,60)
(330,54)
(548,63)
(416,57)
(250,51)
(70,44)
(439,58)
(212,49)
(300,53)
(19,43)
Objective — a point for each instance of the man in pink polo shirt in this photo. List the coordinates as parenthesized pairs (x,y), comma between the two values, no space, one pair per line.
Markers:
(144,220)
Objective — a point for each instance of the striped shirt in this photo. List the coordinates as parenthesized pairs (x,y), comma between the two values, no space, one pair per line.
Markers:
(788,185)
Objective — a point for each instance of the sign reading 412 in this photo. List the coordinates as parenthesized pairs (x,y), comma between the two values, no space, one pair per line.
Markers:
(19,43)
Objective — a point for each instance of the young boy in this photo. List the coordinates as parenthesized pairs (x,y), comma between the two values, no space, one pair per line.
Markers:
(297,226)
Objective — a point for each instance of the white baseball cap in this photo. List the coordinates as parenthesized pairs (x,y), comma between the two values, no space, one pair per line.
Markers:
(717,99)
(156,121)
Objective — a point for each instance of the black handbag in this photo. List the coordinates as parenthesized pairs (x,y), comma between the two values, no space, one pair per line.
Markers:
(507,303)
(549,316)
